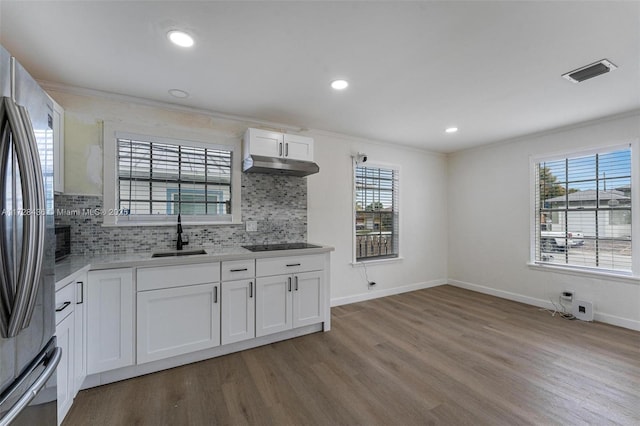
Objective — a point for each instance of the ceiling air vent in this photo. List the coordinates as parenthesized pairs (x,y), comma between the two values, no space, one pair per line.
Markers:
(589,71)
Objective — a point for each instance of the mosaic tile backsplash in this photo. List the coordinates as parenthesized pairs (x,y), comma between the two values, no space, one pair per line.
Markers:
(277,203)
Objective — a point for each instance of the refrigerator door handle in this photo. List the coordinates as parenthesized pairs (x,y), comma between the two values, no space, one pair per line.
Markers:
(6,292)
(51,363)
(36,248)
(21,303)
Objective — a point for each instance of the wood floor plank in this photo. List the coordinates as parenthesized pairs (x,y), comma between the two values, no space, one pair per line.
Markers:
(441,356)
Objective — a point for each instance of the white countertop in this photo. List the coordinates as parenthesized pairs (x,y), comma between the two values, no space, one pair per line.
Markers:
(66,269)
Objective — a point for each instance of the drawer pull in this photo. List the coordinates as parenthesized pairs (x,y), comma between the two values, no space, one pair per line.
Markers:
(239,270)
(63,307)
(81,293)
(293,264)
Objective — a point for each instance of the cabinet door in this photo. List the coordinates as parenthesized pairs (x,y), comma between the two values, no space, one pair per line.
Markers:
(298,147)
(65,379)
(273,304)
(80,344)
(176,321)
(111,322)
(308,305)
(263,142)
(238,311)
(58,148)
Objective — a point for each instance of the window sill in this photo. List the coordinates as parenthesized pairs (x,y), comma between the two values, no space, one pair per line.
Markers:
(622,277)
(361,263)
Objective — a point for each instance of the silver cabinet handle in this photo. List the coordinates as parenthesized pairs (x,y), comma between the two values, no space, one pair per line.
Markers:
(215,294)
(292,264)
(238,270)
(280,149)
(81,293)
(51,363)
(289,283)
(286,149)
(296,283)
(250,288)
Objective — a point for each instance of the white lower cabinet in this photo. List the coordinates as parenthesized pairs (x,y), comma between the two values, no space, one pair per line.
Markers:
(111,322)
(65,380)
(273,304)
(70,334)
(80,333)
(288,301)
(176,321)
(238,311)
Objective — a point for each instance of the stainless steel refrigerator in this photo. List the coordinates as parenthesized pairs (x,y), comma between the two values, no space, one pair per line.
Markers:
(28,352)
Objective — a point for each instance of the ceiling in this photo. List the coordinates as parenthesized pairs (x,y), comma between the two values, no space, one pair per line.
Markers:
(493,69)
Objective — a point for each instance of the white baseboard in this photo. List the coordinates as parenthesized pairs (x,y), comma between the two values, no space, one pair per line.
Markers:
(374,294)
(598,316)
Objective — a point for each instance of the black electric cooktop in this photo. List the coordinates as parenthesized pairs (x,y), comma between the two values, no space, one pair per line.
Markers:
(286,246)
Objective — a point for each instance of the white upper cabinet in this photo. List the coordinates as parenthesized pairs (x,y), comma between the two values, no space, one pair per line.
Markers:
(274,144)
(298,147)
(58,148)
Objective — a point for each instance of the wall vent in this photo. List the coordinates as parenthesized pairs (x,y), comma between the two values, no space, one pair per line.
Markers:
(589,71)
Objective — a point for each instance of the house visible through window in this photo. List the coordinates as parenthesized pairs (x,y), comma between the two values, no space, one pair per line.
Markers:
(156,178)
(376,213)
(583,211)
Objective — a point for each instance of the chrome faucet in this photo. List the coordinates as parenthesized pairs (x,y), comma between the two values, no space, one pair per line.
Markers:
(180,243)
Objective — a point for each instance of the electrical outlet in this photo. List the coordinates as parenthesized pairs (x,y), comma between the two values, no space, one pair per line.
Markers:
(251,226)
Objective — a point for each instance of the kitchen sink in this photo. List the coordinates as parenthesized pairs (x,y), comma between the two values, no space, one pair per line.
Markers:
(179,253)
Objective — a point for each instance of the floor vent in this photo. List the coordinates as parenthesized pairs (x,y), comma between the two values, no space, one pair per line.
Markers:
(589,71)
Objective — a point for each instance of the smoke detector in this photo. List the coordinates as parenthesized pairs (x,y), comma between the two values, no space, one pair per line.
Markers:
(589,71)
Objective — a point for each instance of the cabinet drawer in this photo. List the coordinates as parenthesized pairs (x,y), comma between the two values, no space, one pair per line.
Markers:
(289,265)
(65,301)
(177,276)
(238,269)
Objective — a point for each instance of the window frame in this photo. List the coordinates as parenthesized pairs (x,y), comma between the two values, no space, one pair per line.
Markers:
(186,137)
(633,146)
(396,213)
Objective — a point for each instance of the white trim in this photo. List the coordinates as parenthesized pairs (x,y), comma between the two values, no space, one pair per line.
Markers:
(375,294)
(598,316)
(632,144)
(379,165)
(183,136)
(374,261)
(599,149)
(584,272)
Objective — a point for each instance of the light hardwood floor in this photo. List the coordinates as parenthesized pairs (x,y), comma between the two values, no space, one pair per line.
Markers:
(437,356)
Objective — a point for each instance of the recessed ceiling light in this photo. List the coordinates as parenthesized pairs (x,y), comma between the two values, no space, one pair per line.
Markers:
(180,38)
(451,129)
(177,93)
(339,84)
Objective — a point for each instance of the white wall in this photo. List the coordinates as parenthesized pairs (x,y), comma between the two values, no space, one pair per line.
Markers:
(423,217)
(423,232)
(489,223)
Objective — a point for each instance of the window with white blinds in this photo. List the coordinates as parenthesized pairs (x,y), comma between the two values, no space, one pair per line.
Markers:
(583,211)
(159,178)
(376,213)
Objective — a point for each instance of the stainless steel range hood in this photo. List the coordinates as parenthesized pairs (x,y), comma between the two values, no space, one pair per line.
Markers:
(278,166)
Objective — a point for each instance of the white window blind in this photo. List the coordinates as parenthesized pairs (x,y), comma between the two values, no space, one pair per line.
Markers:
(376,213)
(161,179)
(583,211)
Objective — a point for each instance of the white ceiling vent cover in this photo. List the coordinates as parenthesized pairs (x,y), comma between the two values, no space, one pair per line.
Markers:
(589,71)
